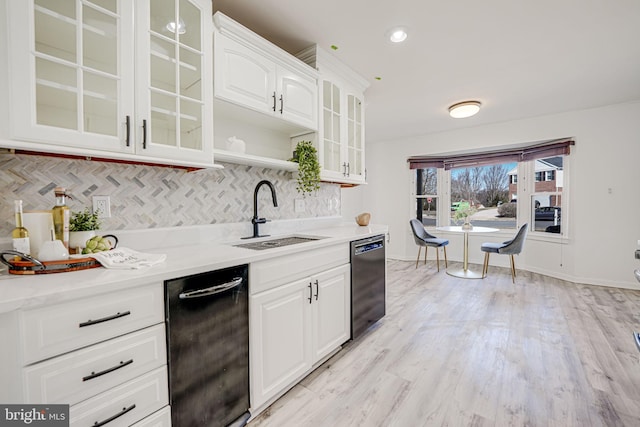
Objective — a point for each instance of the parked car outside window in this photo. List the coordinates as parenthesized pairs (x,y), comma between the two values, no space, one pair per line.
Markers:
(547,213)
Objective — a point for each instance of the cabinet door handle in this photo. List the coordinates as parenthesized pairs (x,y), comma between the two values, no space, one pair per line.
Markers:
(317,290)
(274,101)
(118,415)
(344,169)
(104,319)
(106,371)
(348,169)
(128,125)
(310,293)
(212,290)
(144,134)
(281,104)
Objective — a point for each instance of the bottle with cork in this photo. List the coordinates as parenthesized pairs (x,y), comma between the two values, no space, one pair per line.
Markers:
(61,215)
(20,235)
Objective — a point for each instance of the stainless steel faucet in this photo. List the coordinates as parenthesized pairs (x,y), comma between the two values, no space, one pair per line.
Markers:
(256,220)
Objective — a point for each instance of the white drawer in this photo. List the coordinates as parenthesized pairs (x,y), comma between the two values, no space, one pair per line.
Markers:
(267,274)
(82,374)
(128,402)
(162,418)
(56,329)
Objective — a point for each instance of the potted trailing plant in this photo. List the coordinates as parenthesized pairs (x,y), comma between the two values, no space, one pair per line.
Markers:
(82,227)
(306,156)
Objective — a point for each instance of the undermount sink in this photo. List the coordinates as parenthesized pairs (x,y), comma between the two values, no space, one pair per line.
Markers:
(277,242)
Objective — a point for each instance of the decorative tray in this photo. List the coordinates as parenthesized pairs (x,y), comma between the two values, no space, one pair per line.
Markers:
(29,265)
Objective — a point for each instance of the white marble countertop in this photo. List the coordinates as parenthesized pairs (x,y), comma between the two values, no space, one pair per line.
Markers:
(183,259)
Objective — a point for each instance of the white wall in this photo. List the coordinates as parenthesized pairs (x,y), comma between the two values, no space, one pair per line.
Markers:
(603,218)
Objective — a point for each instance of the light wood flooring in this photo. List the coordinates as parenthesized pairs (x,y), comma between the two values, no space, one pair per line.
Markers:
(456,352)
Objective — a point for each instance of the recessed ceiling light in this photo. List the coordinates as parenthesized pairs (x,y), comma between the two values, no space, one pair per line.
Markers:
(398,35)
(464,109)
(180,27)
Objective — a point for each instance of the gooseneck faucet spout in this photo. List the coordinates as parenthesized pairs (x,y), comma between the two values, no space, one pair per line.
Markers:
(256,220)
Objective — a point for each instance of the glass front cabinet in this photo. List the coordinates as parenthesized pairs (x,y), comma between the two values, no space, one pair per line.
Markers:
(341,146)
(88,76)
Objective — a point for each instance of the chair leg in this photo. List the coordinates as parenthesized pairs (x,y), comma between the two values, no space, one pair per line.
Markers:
(444,248)
(513,270)
(418,259)
(438,258)
(485,266)
(425,254)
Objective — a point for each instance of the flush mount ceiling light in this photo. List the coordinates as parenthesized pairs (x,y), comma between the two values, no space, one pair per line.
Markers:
(397,35)
(465,109)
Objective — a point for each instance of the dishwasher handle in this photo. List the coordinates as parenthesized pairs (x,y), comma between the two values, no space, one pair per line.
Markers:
(212,290)
(368,246)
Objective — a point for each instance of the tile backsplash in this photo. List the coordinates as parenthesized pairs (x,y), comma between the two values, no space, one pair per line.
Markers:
(153,196)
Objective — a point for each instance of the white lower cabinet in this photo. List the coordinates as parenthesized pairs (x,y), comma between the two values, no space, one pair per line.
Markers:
(104,355)
(294,325)
(126,403)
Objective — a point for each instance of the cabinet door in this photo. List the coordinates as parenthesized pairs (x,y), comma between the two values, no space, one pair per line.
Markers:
(355,138)
(173,84)
(297,98)
(330,151)
(280,339)
(243,76)
(72,72)
(331,310)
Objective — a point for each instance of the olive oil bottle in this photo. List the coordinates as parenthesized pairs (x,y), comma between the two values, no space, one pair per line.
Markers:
(61,215)
(20,235)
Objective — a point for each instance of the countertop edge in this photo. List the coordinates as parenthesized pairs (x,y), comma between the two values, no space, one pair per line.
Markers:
(26,292)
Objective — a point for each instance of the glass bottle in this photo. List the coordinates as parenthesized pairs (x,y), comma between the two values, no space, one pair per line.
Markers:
(20,235)
(61,215)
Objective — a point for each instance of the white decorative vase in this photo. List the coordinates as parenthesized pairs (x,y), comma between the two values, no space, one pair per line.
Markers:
(78,239)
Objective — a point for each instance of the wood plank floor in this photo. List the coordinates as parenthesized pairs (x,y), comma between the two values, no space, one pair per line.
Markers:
(456,352)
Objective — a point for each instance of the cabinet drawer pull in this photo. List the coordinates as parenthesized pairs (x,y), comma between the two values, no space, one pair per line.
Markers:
(281,104)
(118,415)
(144,134)
(317,290)
(106,371)
(104,319)
(128,124)
(274,101)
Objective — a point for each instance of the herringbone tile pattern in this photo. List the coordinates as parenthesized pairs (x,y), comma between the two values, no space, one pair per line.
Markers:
(150,196)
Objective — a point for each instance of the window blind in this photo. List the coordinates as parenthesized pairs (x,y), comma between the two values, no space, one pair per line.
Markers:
(537,150)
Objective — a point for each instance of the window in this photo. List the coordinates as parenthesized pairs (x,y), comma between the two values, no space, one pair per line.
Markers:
(485,191)
(488,182)
(427,195)
(546,196)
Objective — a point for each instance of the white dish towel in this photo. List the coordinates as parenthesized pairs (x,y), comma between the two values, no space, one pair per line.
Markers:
(125,258)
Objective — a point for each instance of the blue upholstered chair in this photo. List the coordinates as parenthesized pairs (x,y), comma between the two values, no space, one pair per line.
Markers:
(510,247)
(424,239)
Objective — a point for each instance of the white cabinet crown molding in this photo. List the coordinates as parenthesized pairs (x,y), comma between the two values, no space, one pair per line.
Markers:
(242,34)
(320,59)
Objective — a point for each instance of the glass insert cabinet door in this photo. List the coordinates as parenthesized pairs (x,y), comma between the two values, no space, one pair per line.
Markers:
(355,141)
(332,135)
(170,77)
(69,72)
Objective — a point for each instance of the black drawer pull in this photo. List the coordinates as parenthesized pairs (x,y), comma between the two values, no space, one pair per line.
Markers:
(106,371)
(104,319)
(119,414)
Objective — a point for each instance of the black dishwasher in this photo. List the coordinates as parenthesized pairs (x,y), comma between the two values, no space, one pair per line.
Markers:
(207,321)
(368,283)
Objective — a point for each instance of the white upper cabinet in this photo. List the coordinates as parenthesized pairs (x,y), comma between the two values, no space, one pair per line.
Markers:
(112,78)
(251,72)
(340,141)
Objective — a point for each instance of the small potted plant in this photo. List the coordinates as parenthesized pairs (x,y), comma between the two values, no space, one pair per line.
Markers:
(306,156)
(82,227)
